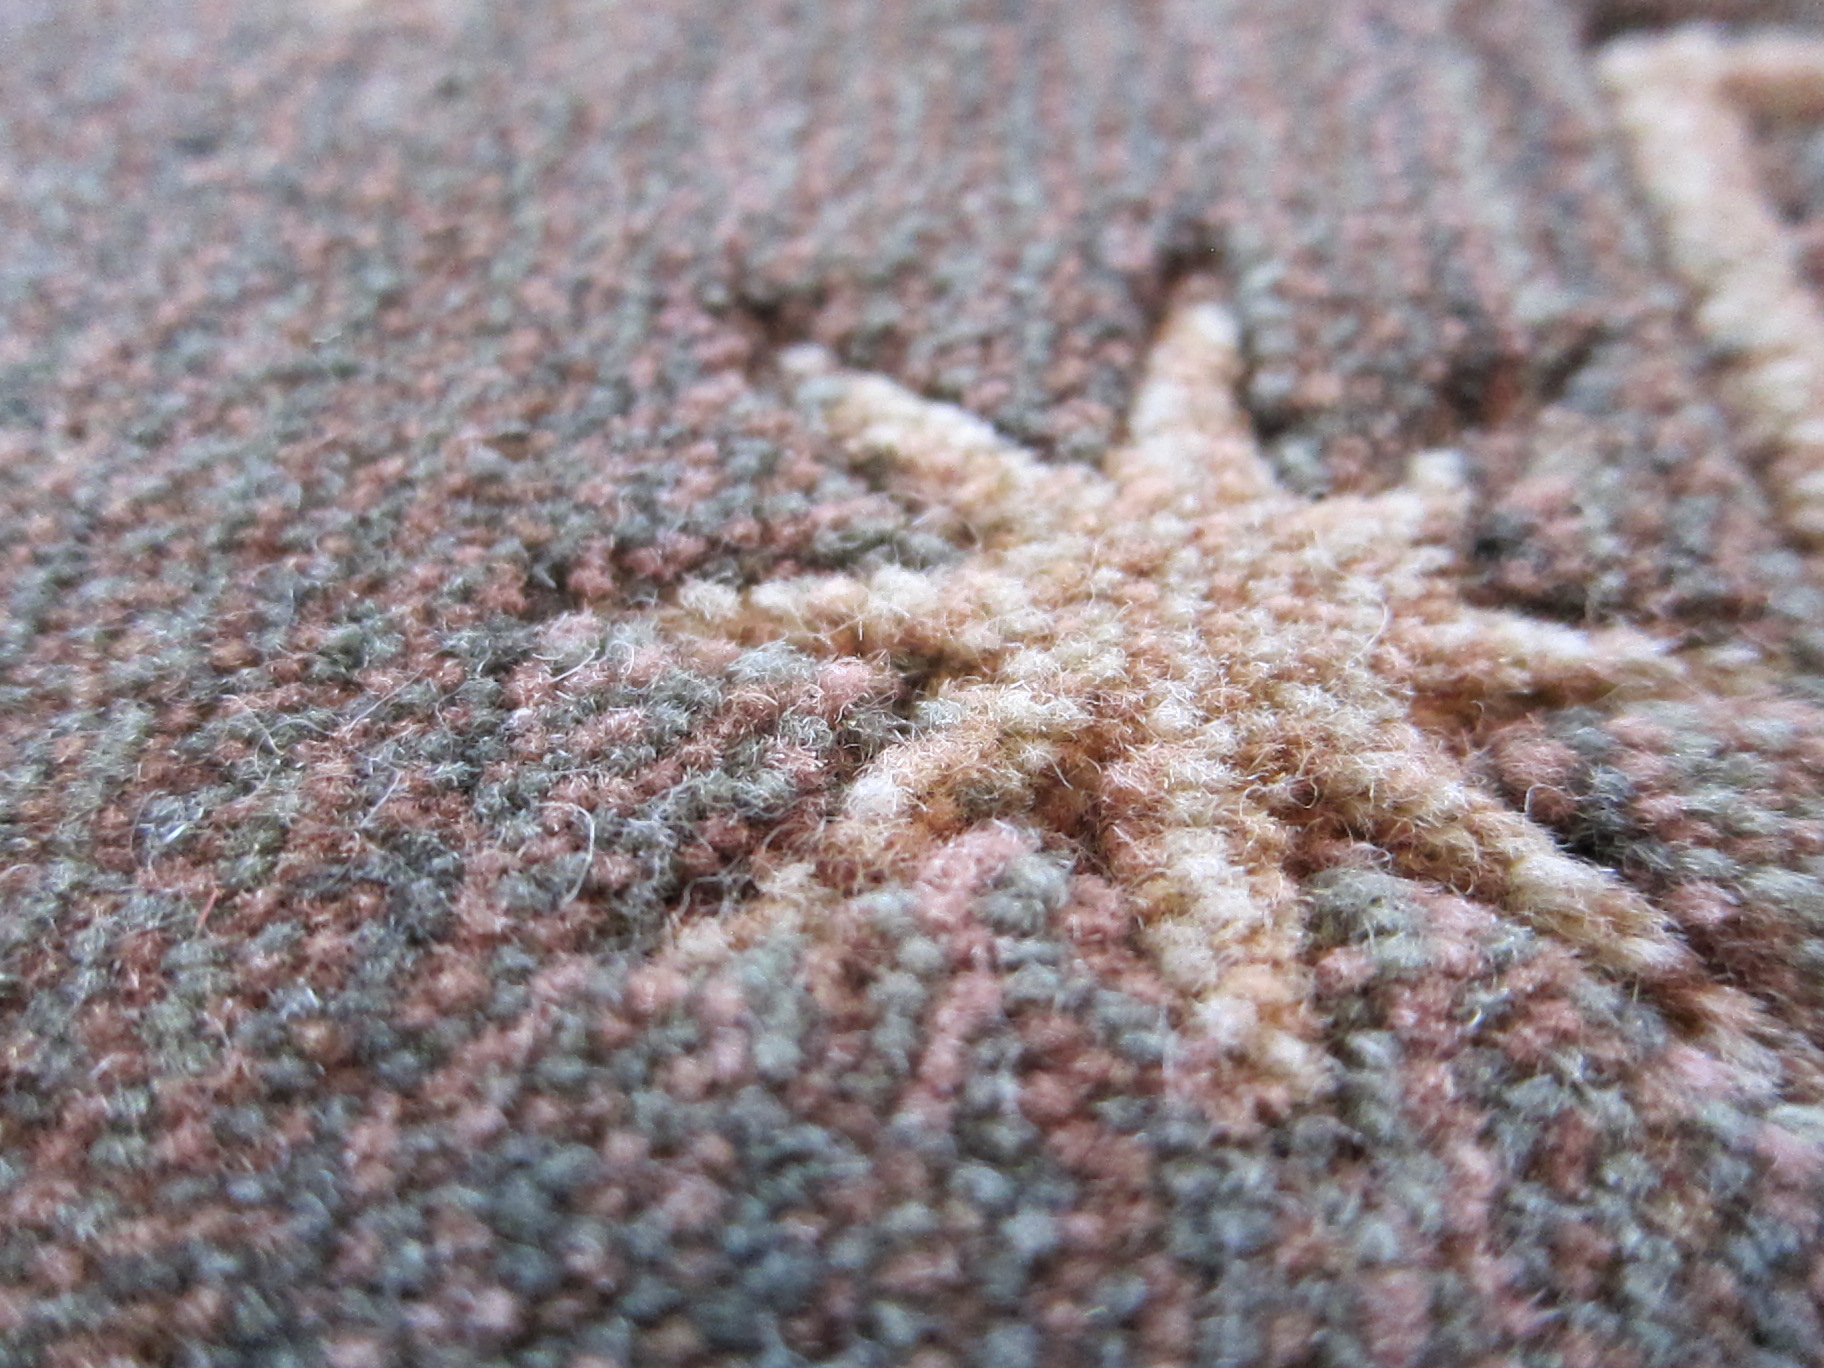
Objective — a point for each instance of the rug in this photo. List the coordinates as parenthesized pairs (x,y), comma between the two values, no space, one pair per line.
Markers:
(970,684)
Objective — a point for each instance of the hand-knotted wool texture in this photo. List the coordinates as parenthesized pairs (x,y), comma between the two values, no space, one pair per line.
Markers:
(910,684)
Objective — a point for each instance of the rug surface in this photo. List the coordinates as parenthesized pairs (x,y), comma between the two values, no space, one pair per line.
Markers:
(962,684)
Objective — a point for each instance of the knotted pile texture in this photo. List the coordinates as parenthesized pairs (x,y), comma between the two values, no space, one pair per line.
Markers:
(962,685)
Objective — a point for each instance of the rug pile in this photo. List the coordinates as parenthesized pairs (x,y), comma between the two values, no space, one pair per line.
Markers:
(962,685)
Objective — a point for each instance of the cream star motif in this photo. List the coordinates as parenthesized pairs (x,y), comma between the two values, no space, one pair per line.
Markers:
(1183,670)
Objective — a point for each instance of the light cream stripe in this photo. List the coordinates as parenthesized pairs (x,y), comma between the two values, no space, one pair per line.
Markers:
(1684,101)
